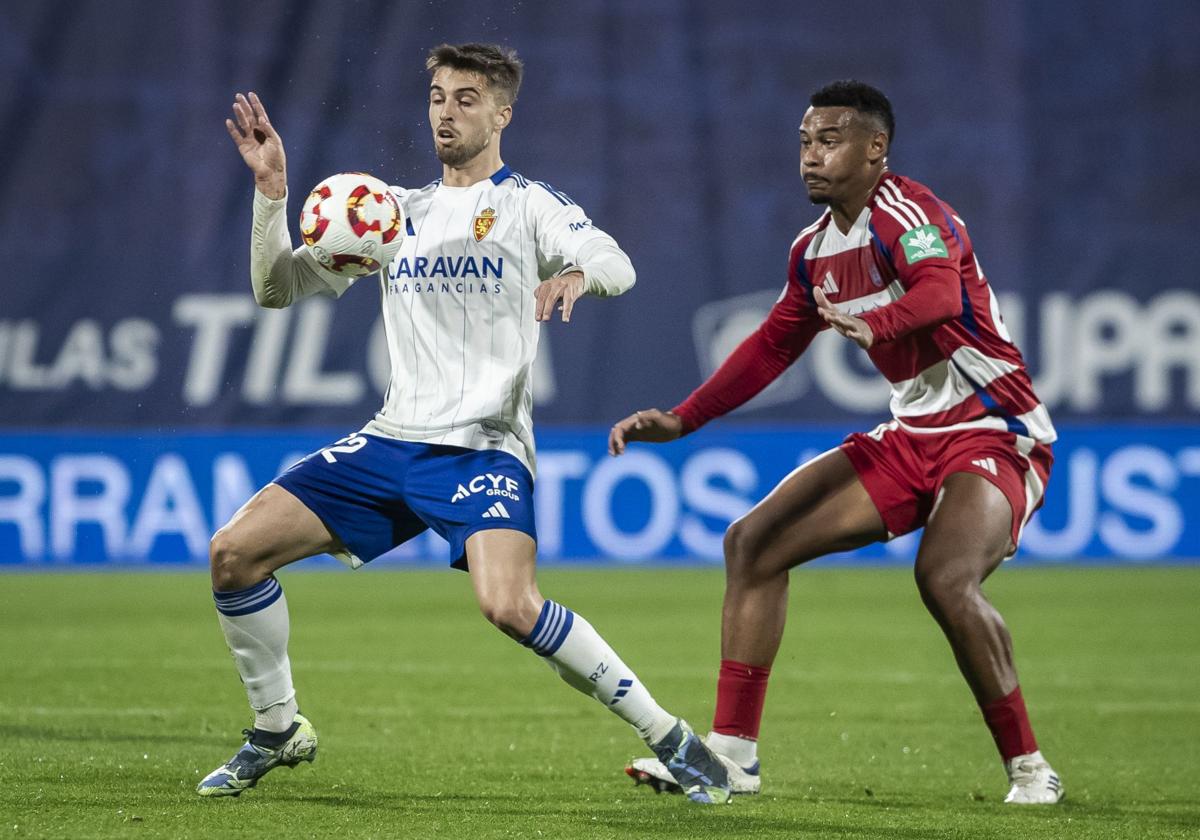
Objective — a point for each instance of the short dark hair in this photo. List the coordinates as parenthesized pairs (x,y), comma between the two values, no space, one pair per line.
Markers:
(851,93)
(499,65)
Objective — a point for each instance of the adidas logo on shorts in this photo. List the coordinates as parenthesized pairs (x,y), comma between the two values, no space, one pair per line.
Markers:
(988,464)
(496,511)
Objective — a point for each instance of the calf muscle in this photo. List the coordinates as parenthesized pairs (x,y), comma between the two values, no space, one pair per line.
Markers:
(820,508)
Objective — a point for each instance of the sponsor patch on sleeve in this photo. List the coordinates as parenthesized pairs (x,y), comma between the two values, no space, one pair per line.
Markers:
(922,243)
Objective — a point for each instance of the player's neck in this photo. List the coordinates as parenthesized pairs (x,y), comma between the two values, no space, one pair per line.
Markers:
(846,213)
(484,165)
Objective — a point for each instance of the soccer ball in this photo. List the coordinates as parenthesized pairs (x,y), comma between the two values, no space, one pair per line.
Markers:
(352,223)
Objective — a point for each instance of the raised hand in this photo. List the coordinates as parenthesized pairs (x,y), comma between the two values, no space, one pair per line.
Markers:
(259,144)
(562,289)
(649,424)
(855,329)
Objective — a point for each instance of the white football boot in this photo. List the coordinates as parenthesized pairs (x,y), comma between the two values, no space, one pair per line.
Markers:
(1034,781)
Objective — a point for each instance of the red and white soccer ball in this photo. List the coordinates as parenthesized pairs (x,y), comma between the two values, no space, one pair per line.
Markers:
(352,223)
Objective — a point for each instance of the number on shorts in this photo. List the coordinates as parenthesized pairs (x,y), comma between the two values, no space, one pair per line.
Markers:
(345,446)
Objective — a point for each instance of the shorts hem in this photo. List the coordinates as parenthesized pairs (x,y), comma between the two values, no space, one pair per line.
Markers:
(1014,522)
(863,468)
(300,493)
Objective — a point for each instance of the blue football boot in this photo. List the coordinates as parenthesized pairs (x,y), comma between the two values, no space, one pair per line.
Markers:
(256,758)
(698,772)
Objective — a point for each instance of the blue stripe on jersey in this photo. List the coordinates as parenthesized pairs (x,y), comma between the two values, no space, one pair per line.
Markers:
(883,249)
(408,226)
(968,312)
(249,600)
(1014,425)
(950,221)
(553,625)
(802,277)
(562,197)
(502,173)
(521,180)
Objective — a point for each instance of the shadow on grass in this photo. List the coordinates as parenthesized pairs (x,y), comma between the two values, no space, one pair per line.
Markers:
(1165,813)
(10,732)
(683,820)
(686,824)
(1161,814)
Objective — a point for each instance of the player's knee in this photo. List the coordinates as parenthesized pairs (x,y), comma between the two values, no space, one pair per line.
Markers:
(946,591)
(741,548)
(510,615)
(229,563)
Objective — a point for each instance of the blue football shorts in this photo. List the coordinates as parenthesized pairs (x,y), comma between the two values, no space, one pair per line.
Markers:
(375,493)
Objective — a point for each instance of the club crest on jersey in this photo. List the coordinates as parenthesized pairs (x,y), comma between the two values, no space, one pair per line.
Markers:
(490,484)
(483,224)
(922,243)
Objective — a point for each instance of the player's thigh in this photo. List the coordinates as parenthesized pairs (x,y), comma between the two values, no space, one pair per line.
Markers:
(501,559)
(968,535)
(820,508)
(273,528)
(502,563)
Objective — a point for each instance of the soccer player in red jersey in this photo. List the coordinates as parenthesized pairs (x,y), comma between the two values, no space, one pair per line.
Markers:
(891,267)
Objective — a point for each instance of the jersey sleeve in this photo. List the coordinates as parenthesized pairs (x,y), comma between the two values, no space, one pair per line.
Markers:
(568,241)
(279,275)
(766,353)
(926,251)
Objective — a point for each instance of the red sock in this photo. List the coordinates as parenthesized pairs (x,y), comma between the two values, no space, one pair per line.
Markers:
(1009,723)
(741,690)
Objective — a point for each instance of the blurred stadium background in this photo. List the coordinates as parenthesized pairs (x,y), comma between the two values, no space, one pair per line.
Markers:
(144,397)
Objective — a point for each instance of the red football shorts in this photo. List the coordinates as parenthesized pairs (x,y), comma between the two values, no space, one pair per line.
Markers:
(903,471)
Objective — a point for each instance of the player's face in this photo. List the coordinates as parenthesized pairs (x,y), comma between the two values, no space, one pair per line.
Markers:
(463,114)
(838,154)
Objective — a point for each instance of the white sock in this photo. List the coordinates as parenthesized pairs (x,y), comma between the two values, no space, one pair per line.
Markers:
(255,624)
(743,751)
(276,718)
(585,661)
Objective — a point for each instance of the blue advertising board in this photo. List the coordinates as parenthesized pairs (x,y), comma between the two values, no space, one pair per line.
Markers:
(1117,494)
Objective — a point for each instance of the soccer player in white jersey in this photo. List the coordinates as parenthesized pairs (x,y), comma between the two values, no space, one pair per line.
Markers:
(487,254)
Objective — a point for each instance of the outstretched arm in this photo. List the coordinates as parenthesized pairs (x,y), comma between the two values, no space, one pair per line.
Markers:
(278,275)
(259,144)
(755,364)
(648,425)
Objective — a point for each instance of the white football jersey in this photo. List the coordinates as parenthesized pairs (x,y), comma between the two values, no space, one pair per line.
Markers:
(458,304)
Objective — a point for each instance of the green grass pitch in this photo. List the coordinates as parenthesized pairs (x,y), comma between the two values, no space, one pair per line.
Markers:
(117,695)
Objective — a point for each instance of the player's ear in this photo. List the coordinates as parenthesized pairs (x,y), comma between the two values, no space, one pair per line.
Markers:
(503,117)
(877,148)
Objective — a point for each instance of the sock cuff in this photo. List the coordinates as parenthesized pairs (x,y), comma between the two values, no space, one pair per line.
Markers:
(1008,701)
(249,600)
(741,693)
(1009,723)
(553,625)
(733,668)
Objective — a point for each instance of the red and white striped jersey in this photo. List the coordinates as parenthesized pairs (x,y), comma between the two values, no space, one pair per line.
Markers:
(906,267)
